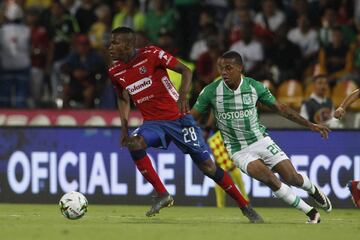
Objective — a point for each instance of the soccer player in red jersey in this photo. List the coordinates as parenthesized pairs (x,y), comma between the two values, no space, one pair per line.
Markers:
(140,75)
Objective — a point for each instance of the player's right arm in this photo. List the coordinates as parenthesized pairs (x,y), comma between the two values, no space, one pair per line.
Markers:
(186,76)
(202,104)
(341,110)
(123,100)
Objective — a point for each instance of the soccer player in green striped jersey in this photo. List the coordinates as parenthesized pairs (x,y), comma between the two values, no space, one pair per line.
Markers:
(233,100)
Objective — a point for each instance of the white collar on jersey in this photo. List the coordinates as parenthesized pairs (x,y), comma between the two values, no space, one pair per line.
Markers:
(238,88)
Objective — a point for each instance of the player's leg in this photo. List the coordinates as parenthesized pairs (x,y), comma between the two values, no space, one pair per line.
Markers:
(223,179)
(258,170)
(222,159)
(288,173)
(274,158)
(187,136)
(137,145)
(236,175)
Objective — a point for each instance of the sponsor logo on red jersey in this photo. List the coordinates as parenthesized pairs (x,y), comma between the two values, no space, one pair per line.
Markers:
(170,88)
(145,99)
(139,86)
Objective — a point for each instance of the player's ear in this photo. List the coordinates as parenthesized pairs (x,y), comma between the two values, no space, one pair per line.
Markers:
(240,67)
(218,65)
(129,45)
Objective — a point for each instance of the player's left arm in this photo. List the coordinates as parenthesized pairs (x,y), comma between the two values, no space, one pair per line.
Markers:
(196,114)
(289,113)
(202,104)
(166,60)
(186,76)
(265,97)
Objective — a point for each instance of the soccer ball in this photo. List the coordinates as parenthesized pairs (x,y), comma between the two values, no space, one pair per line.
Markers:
(73,205)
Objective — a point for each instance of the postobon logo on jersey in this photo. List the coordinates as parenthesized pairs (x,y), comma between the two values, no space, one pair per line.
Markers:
(236,114)
(139,86)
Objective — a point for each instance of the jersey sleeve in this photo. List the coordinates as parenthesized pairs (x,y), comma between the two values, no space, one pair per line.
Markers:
(264,94)
(203,101)
(162,58)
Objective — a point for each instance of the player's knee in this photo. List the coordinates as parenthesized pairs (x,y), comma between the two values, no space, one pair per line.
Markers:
(136,143)
(208,167)
(215,174)
(259,172)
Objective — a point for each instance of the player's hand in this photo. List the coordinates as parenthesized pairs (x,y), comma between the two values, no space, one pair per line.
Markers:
(183,105)
(339,113)
(323,130)
(124,139)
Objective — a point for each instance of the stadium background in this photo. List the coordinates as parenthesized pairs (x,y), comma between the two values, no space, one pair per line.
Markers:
(48,138)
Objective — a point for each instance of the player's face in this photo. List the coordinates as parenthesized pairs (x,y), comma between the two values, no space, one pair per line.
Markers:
(230,71)
(120,48)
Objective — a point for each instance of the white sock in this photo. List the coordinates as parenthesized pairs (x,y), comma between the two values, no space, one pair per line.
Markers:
(307,185)
(290,198)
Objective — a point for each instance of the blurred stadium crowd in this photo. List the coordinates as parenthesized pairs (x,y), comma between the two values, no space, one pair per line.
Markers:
(53,52)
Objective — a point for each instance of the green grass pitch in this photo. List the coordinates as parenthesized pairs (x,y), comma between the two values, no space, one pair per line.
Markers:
(40,222)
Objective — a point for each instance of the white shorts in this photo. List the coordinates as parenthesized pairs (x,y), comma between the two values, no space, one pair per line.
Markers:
(264,149)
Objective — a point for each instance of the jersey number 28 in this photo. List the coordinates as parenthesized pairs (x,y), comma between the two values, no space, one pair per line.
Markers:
(189,134)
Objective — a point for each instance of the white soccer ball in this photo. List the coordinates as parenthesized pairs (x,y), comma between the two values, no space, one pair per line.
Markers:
(73,205)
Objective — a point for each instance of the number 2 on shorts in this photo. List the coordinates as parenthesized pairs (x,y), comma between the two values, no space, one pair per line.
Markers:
(273,148)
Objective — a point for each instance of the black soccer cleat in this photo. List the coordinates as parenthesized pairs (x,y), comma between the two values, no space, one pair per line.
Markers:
(314,217)
(251,214)
(321,200)
(159,202)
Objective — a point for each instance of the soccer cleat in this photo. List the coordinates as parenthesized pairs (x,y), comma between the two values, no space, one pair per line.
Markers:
(251,214)
(354,187)
(321,200)
(159,202)
(314,217)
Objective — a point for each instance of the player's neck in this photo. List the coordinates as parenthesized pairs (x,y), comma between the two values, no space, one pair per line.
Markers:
(235,85)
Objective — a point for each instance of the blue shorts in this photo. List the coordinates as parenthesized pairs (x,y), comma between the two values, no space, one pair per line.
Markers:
(183,132)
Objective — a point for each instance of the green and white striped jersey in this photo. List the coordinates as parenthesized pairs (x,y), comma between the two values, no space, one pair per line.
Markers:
(235,111)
